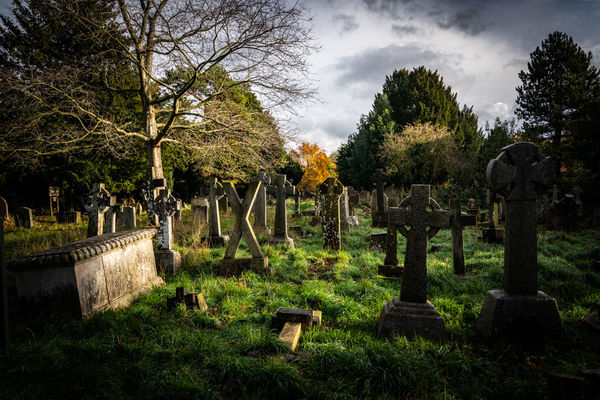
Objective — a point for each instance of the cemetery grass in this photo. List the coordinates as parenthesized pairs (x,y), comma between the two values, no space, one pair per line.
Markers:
(145,351)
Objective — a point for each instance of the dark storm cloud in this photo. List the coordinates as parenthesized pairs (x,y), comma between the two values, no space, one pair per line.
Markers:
(468,21)
(348,22)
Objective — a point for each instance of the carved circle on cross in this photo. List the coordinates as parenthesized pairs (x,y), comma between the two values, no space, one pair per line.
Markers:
(98,198)
(407,205)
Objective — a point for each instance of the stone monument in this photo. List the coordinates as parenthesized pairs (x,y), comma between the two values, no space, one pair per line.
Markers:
(164,206)
(281,190)
(96,204)
(215,192)
(260,204)
(24,217)
(331,190)
(458,221)
(379,215)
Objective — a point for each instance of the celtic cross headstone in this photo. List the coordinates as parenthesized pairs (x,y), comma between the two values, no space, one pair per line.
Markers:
(379,217)
(164,206)
(97,203)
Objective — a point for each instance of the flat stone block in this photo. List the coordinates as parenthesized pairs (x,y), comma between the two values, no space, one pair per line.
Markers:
(167,261)
(493,235)
(410,319)
(216,241)
(303,317)
(290,334)
(282,241)
(234,266)
(390,271)
(511,315)
(378,241)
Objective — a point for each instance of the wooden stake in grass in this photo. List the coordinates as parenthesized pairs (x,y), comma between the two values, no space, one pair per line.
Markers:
(292,321)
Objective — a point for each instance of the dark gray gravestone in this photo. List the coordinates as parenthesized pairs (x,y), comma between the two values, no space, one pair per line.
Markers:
(96,204)
(378,241)
(68,217)
(214,238)
(128,217)
(242,228)
(281,190)
(110,216)
(199,207)
(164,206)
(390,267)
(24,217)
(519,173)
(493,233)
(418,218)
(353,199)
(331,190)
(260,204)
(458,221)
(379,216)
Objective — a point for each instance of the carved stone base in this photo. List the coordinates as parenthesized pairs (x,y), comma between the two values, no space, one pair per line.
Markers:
(233,266)
(493,235)
(285,241)
(410,319)
(390,271)
(167,261)
(216,241)
(512,315)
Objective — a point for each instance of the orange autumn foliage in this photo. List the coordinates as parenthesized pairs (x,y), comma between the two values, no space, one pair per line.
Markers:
(314,163)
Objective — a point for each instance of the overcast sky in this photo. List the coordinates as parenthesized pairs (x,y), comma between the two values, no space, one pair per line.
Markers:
(478,47)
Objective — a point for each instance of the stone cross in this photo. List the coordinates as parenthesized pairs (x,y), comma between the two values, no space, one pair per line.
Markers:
(331,190)
(281,190)
(242,228)
(519,173)
(110,216)
(458,221)
(260,204)
(418,218)
(215,192)
(164,206)
(380,218)
(97,203)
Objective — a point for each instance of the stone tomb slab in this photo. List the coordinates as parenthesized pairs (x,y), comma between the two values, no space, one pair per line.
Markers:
(88,275)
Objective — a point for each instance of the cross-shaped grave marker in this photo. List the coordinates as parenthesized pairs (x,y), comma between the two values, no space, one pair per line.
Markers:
(231,265)
(390,266)
(215,192)
(260,204)
(331,190)
(458,221)
(281,190)
(379,218)
(291,321)
(418,217)
(519,173)
(97,203)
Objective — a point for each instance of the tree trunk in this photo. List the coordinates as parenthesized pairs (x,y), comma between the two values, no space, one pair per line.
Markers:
(155,169)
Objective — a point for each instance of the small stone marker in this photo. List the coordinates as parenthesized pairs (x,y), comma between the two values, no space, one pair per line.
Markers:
(418,218)
(97,203)
(68,217)
(519,173)
(24,217)
(378,241)
(110,216)
(215,238)
(258,263)
(472,207)
(331,190)
(260,204)
(199,206)
(297,230)
(291,321)
(493,233)
(191,300)
(164,206)
(281,190)
(390,267)
(128,219)
(379,217)
(458,221)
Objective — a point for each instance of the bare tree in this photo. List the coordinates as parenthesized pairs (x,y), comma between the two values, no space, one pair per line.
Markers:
(175,48)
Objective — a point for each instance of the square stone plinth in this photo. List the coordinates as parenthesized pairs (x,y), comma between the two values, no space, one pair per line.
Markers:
(390,271)
(493,235)
(234,266)
(513,315)
(88,275)
(167,261)
(410,319)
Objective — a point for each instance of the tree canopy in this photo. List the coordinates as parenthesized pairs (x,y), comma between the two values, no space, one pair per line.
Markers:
(315,164)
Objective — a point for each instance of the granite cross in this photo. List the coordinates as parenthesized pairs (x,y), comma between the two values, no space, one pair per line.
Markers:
(260,205)
(97,203)
(164,206)
(418,218)
(458,221)
(519,173)
(331,190)
(281,189)
(215,192)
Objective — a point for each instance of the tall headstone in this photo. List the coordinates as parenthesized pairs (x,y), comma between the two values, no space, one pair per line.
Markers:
(199,207)
(379,217)
(260,204)
(96,204)
(344,212)
(24,217)
(418,217)
(520,173)
(110,216)
(458,221)
(128,219)
(242,228)
(353,199)
(215,192)
(331,191)
(494,233)
(281,190)
(164,206)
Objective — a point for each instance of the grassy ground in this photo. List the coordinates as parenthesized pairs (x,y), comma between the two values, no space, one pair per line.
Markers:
(144,351)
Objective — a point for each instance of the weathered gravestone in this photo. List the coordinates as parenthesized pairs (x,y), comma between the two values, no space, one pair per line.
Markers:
(96,204)
(260,204)
(215,192)
(177,213)
(281,190)
(472,207)
(258,262)
(24,217)
(418,218)
(390,267)
(377,241)
(353,199)
(379,215)
(89,275)
(4,208)
(110,216)
(199,207)
(458,221)
(331,191)
(164,206)
(296,213)
(54,193)
(519,173)
(127,215)
(291,322)
(494,233)
(347,220)
(68,217)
